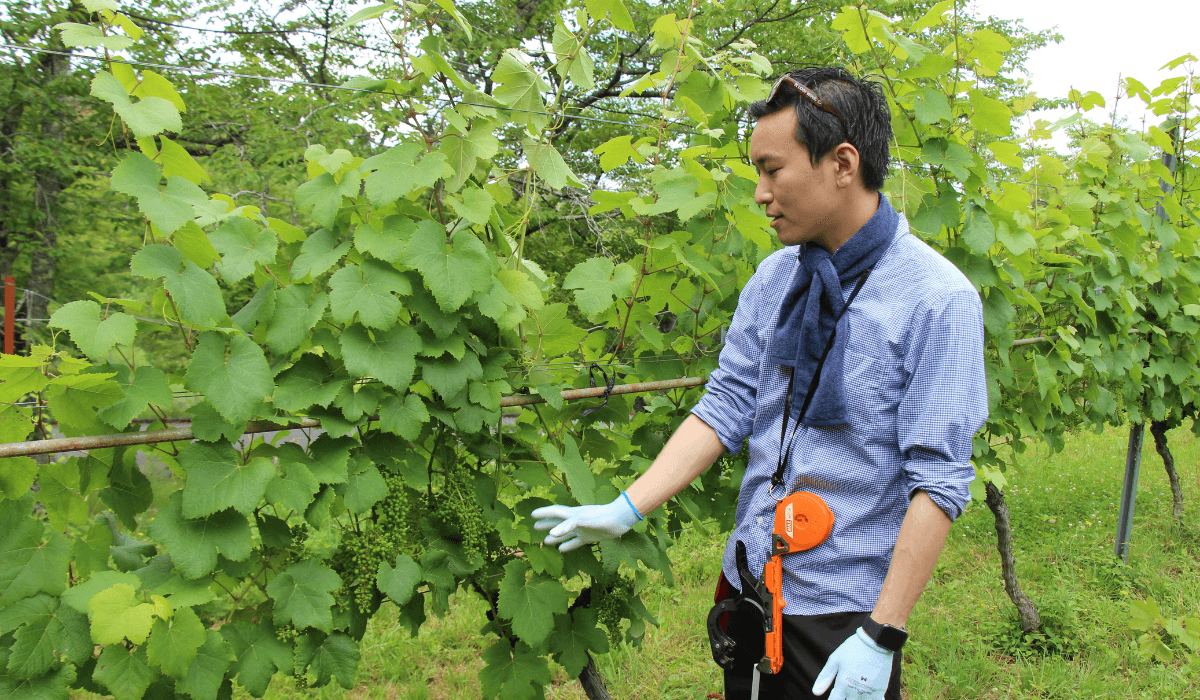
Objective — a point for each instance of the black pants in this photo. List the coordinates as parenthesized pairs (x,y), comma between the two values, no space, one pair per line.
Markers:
(808,640)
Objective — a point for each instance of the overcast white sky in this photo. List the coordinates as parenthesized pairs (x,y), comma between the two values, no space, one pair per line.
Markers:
(1103,40)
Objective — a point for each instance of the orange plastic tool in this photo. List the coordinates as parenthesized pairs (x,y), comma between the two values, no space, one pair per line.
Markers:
(802,521)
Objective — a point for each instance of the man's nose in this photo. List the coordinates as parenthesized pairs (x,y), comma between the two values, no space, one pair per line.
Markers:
(762,193)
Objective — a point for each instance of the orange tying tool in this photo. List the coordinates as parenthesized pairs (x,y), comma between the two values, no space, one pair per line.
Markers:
(802,521)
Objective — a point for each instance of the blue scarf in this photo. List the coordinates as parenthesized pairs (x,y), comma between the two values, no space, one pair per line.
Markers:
(806,318)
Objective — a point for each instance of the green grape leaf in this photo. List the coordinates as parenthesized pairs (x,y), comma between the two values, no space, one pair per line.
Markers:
(436,347)
(364,487)
(124,672)
(70,635)
(146,117)
(32,652)
(390,356)
(400,581)
(32,559)
(475,205)
(932,106)
(74,34)
(169,209)
(174,643)
(234,378)
(143,386)
(452,270)
(386,243)
(397,172)
(16,476)
(16,422)
(367,291)
(217,479)
(513,673)
(500,305)
(93,336)
(323,194)
(175,160)
(597,281)
(195,291)
(128,494)
(551,334)
(79,595)
(616,12)
(296,313)
(574,636)
(308,382)
(74,399)
(523,289)
(194,543)
(52,686)
(448,376)
(58,491)
(242,244)
(403,417)
(20,376)
(358,400)
(294,488)
(302,595)
(422,304)
(115,616)
(318,253)
(328,657)
(462,149)
(579,474)
(989,114)
(531,605)
(208,425)
(207,671)
(260,308)
(258,654)
(549,165)
(519,87)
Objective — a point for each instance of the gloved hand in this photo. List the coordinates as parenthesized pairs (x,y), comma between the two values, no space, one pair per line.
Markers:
(862,667)
(575,526)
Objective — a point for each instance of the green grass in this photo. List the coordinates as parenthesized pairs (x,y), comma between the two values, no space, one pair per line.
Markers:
(965,639)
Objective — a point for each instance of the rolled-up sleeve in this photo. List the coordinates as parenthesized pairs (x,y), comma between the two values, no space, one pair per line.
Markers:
(730,395)
(945,401)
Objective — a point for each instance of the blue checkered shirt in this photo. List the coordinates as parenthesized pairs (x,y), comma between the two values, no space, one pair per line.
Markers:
(915,395)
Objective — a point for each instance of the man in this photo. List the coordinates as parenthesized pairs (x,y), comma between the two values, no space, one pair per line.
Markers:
(887,393)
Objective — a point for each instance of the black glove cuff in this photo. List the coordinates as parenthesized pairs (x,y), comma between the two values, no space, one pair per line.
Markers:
(886,636)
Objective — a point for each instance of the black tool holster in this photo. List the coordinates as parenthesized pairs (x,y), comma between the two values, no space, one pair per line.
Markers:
(754,595)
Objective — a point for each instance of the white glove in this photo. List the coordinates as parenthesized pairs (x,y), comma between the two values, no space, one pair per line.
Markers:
(862,667)
(571,527)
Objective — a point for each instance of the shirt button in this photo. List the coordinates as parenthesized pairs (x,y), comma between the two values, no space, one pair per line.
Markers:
(760,520)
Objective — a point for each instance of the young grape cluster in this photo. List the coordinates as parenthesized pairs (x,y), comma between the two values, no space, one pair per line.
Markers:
(612,604)
(391,531)
(456,505)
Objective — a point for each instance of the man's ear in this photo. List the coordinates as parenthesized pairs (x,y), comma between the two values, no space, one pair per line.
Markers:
(848,162)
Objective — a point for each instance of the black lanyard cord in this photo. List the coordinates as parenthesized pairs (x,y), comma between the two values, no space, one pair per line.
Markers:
(785,445)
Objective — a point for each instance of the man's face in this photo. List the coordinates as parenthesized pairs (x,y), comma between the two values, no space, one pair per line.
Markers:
(802,200)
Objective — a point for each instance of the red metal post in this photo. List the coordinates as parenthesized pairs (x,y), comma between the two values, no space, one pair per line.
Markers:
(10,303)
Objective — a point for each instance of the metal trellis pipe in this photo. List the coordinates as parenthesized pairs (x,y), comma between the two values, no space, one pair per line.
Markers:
(149,437)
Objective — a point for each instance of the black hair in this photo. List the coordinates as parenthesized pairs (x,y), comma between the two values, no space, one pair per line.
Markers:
(866,122)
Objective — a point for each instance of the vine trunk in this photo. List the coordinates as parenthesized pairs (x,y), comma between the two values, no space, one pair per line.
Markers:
(1030,619)
(1158,428)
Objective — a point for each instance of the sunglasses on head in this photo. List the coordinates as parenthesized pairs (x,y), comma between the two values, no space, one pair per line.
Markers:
(808,92)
